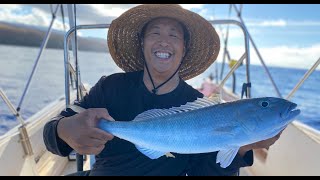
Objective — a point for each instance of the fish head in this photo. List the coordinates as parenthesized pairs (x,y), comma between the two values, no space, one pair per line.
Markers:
(265,117)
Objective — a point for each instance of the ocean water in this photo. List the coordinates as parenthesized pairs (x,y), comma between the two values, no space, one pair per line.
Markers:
(47,85)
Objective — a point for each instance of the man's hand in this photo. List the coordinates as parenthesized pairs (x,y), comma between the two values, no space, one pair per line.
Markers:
(81,133)
(258,145)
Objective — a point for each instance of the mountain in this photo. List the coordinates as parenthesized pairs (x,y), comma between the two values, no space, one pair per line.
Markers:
(25,35)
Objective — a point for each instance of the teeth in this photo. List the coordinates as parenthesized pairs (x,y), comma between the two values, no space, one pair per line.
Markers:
(162,55)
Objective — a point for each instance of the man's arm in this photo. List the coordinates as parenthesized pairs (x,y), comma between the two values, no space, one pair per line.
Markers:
(53,143)
(61,132)
(259,145)
(50,135)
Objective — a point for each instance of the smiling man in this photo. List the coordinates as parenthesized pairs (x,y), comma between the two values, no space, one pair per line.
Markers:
(158,47)
(163,45)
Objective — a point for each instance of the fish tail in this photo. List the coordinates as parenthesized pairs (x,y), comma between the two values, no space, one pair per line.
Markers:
(104,124)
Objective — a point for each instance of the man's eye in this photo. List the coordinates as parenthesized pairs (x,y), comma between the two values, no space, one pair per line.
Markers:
(173,35)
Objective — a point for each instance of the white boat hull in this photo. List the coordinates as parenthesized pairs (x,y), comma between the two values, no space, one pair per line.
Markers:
(296,153)
(13,161)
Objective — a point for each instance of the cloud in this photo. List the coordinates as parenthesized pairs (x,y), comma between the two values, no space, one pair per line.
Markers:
(304,23)
(192,6)
(111,9)
(234,32)
(36,17)
(268,23)
(283,56)
(9,7)
(40,14)
(91,13)
(281,23)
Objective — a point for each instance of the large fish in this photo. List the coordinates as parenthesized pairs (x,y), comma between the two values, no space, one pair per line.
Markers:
(205,126)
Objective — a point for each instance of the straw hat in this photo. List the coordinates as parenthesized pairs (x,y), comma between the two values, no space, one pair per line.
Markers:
(125,48)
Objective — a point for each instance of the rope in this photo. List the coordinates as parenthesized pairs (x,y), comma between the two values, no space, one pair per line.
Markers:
(51,8)
(155,89)
(79,157)
(76,51)
(62,14)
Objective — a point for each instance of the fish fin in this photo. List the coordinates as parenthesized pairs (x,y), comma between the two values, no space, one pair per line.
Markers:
(170,155)
(197,104)
(152,154)
(249,127)
(225,157)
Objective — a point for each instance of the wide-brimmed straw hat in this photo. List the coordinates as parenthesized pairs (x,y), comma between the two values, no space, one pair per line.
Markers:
(125,48)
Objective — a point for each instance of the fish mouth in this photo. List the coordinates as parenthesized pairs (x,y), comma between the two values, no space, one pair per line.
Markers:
(291,112)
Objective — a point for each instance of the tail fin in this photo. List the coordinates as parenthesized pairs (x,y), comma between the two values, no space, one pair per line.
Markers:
(104,124)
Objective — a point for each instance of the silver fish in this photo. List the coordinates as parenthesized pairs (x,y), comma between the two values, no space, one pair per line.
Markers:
(205,126)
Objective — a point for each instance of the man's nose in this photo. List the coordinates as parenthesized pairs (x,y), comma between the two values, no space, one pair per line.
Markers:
(164,41)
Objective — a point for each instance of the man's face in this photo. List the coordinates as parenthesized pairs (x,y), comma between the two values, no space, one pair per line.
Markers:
(163,46)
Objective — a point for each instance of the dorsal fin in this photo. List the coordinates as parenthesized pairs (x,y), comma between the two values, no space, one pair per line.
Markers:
(197,104)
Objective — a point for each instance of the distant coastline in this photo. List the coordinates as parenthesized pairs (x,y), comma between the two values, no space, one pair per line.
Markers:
(24,35)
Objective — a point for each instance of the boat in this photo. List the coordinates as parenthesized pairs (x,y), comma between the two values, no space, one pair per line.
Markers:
(23,153)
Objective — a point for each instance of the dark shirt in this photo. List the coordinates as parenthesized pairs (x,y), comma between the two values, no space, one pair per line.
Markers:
(125,96)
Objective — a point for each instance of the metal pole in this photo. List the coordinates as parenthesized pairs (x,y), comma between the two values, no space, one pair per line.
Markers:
(24,137)
(226,53)
(258,53)
(66,66)
(10,105)
(66,54)
(76,54)
(225,45)
(43,45)
(71,24)
(232,70)
(306,75)
(247,49)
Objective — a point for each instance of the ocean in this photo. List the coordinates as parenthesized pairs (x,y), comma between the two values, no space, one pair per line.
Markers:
(16,63)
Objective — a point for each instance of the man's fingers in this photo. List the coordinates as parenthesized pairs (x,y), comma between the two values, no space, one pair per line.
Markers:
(271,141)
(101,135)
(91,150)
(102,113)
(95,142)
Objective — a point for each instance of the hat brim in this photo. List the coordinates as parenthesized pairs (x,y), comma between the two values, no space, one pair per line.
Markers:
(125,49)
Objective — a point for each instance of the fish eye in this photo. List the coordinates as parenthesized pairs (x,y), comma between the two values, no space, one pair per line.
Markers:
(264,103)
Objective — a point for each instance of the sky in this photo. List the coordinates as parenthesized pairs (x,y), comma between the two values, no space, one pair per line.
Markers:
(287,35)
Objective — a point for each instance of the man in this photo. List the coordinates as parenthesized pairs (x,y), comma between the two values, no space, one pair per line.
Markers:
(158,46)
(208,88)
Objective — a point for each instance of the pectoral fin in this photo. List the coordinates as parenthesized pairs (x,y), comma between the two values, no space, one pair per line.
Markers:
(152,154)
(170,155)
(225,157)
